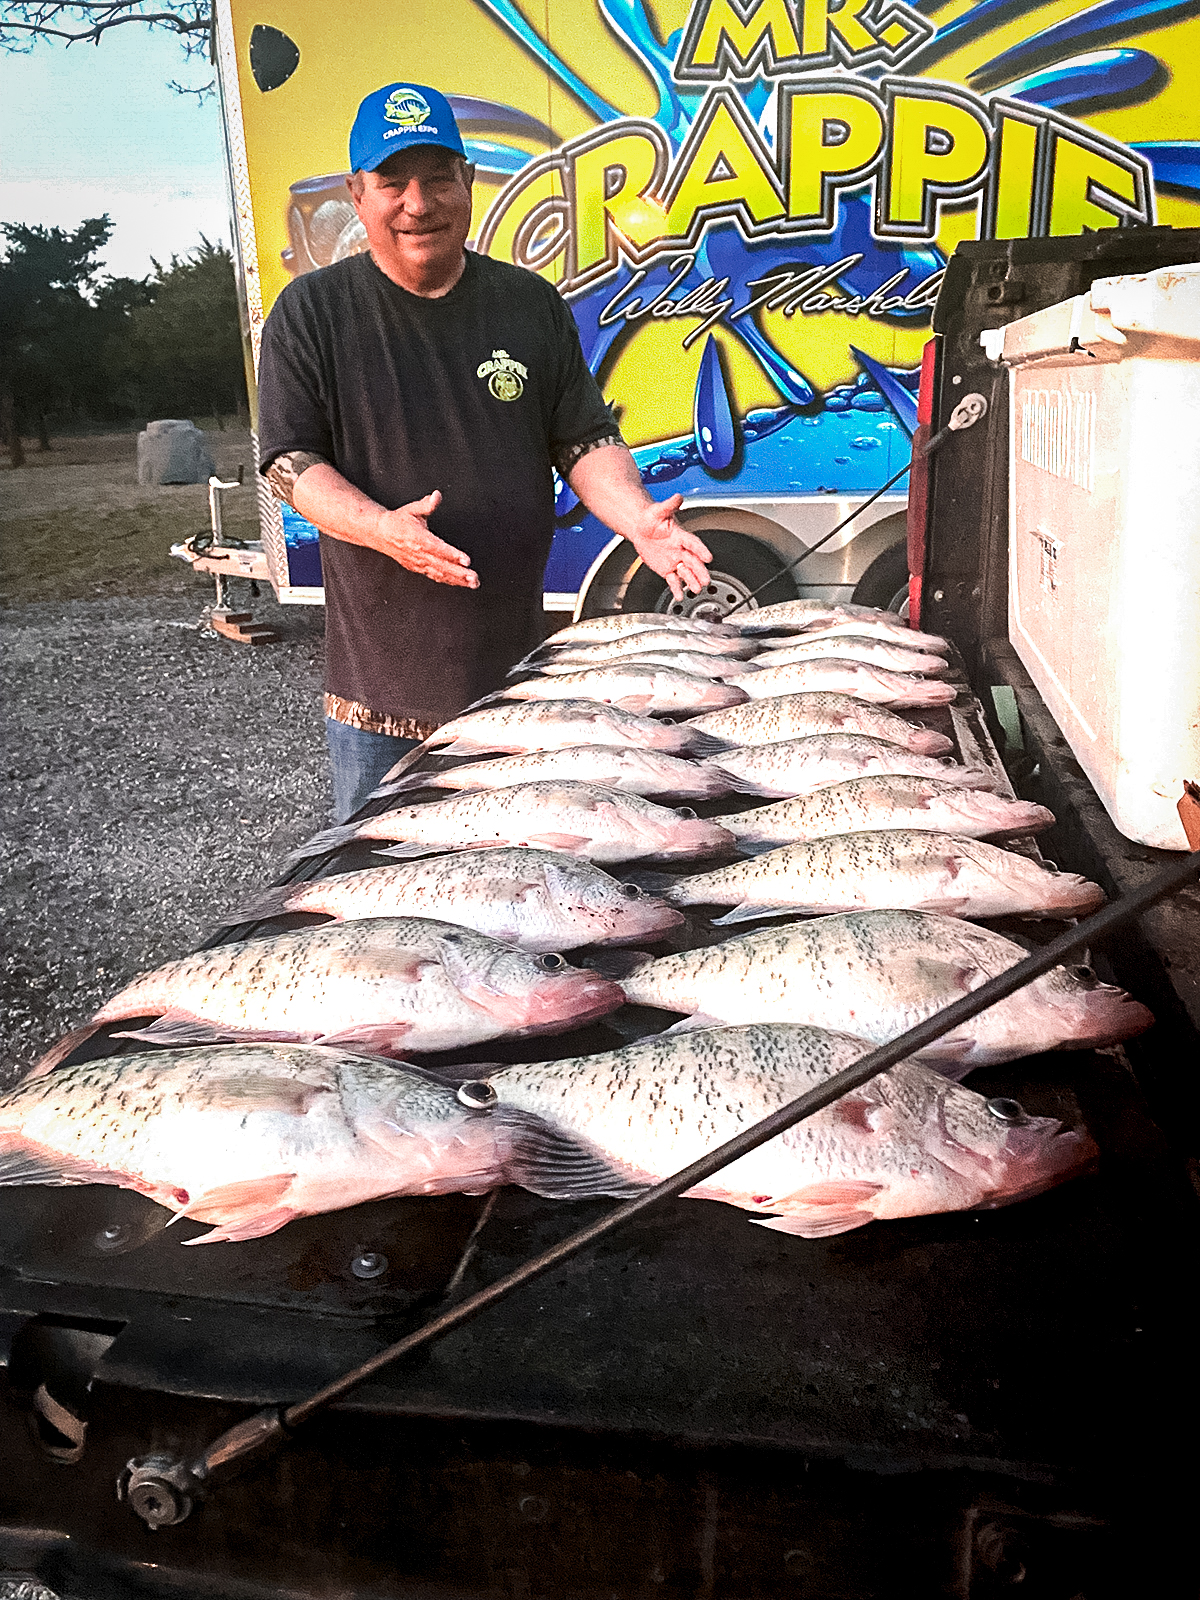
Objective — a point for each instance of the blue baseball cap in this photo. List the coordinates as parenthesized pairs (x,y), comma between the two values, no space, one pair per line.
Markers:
(397,117)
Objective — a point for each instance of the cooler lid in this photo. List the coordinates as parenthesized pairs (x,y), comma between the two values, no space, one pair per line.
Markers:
(1164,304)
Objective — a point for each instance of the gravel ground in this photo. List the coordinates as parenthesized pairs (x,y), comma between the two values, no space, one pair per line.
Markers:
(153,776)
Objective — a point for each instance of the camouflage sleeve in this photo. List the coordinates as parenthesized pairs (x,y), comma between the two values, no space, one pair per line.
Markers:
(285,469)
(566,458)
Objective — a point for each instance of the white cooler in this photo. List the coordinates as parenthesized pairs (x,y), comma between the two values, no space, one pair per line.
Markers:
(1104,533)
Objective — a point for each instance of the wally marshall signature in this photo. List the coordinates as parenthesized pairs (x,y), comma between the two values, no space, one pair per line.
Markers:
(790,289)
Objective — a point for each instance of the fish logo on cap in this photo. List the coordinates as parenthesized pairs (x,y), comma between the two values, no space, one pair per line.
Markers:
(406,107)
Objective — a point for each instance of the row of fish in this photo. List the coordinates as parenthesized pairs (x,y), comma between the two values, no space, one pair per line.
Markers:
(248,1138)
(460,944)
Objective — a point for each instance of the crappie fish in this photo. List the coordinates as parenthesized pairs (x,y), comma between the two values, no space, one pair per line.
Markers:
(689,661)
(248,1136)
(623,624)
(875,652)
(632,771)
(857,678)
(519,726)
(877,973)
(817,616)
(900,867)
(793,716)
(906,1144)
(534,899)
(798,766)
(641,643)
(579,819)
(645,690)
(385,984)
(863,805)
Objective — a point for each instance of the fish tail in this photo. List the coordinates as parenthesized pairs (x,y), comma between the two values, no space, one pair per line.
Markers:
(706,744)
(414,780)
(327,839)
(66,1046)
(272,902)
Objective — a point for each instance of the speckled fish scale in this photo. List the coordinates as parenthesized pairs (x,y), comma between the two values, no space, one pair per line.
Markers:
(862,805)
(875,684)
(811,617)
(795,716)
(248,1136)
(632,771)
(877,973)
(537,900)
(645,690)
(387,983)
(898,867)
(622,624)
(579,818)
(631,645)
(798,766)
(519,726)
(689,661)
(907,1144)
(875,652)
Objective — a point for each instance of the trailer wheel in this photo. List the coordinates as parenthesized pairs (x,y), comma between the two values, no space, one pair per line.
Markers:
(885,582)
(739,566)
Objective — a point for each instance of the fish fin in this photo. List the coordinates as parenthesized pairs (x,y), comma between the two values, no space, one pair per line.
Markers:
(181,1027)
(414,780)
(245,1209)
(409,851)
(748,912)
(694,1023)
(835,1206)
(272,902)
(616,964)
(22,1163)
(320,843)
(758,847)
(556,1166)
(748,786)
(706,745)
(817,1224)
(568,842)
(378,1038)
(58,1053)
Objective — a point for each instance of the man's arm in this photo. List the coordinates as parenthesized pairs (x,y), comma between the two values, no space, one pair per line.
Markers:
(318,491)
(607,480)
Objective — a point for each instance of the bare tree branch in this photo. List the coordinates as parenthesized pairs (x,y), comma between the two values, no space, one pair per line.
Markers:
(21,22)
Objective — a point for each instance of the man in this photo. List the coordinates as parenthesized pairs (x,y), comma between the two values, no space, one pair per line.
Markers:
(412,401)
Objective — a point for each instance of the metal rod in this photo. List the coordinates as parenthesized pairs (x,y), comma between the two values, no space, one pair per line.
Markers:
(853,1077)
(935,442)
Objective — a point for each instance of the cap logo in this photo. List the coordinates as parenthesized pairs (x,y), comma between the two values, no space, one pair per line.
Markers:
(406,107)
(504,375)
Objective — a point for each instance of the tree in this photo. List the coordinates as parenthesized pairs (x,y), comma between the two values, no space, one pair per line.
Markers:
(50,331)
(23,21)
(184,348)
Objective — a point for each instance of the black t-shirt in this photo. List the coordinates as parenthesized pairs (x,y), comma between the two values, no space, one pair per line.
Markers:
(473,394)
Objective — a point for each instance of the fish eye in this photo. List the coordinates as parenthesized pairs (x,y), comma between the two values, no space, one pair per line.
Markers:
(1083,974)
(551,962)
(1005,1110)
(477,1095)
(670,721)
(686,813)
(631,891)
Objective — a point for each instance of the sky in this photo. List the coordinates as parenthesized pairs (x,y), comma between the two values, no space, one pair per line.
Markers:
(91,129)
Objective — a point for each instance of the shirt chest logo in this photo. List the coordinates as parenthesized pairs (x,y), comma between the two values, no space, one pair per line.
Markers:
(505,377)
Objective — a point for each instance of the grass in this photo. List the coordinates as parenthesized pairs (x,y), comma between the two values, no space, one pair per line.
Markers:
(75,523)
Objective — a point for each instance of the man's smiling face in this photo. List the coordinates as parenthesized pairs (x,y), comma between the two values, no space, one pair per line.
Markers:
(416,209)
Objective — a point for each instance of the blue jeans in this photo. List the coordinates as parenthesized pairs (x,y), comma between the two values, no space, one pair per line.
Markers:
(360,760)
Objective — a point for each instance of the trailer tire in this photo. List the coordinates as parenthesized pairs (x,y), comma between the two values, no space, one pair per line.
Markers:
(885,582)
(739,566)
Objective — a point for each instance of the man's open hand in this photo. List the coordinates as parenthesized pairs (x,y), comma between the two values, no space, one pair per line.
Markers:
(667,547)
(404,535)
